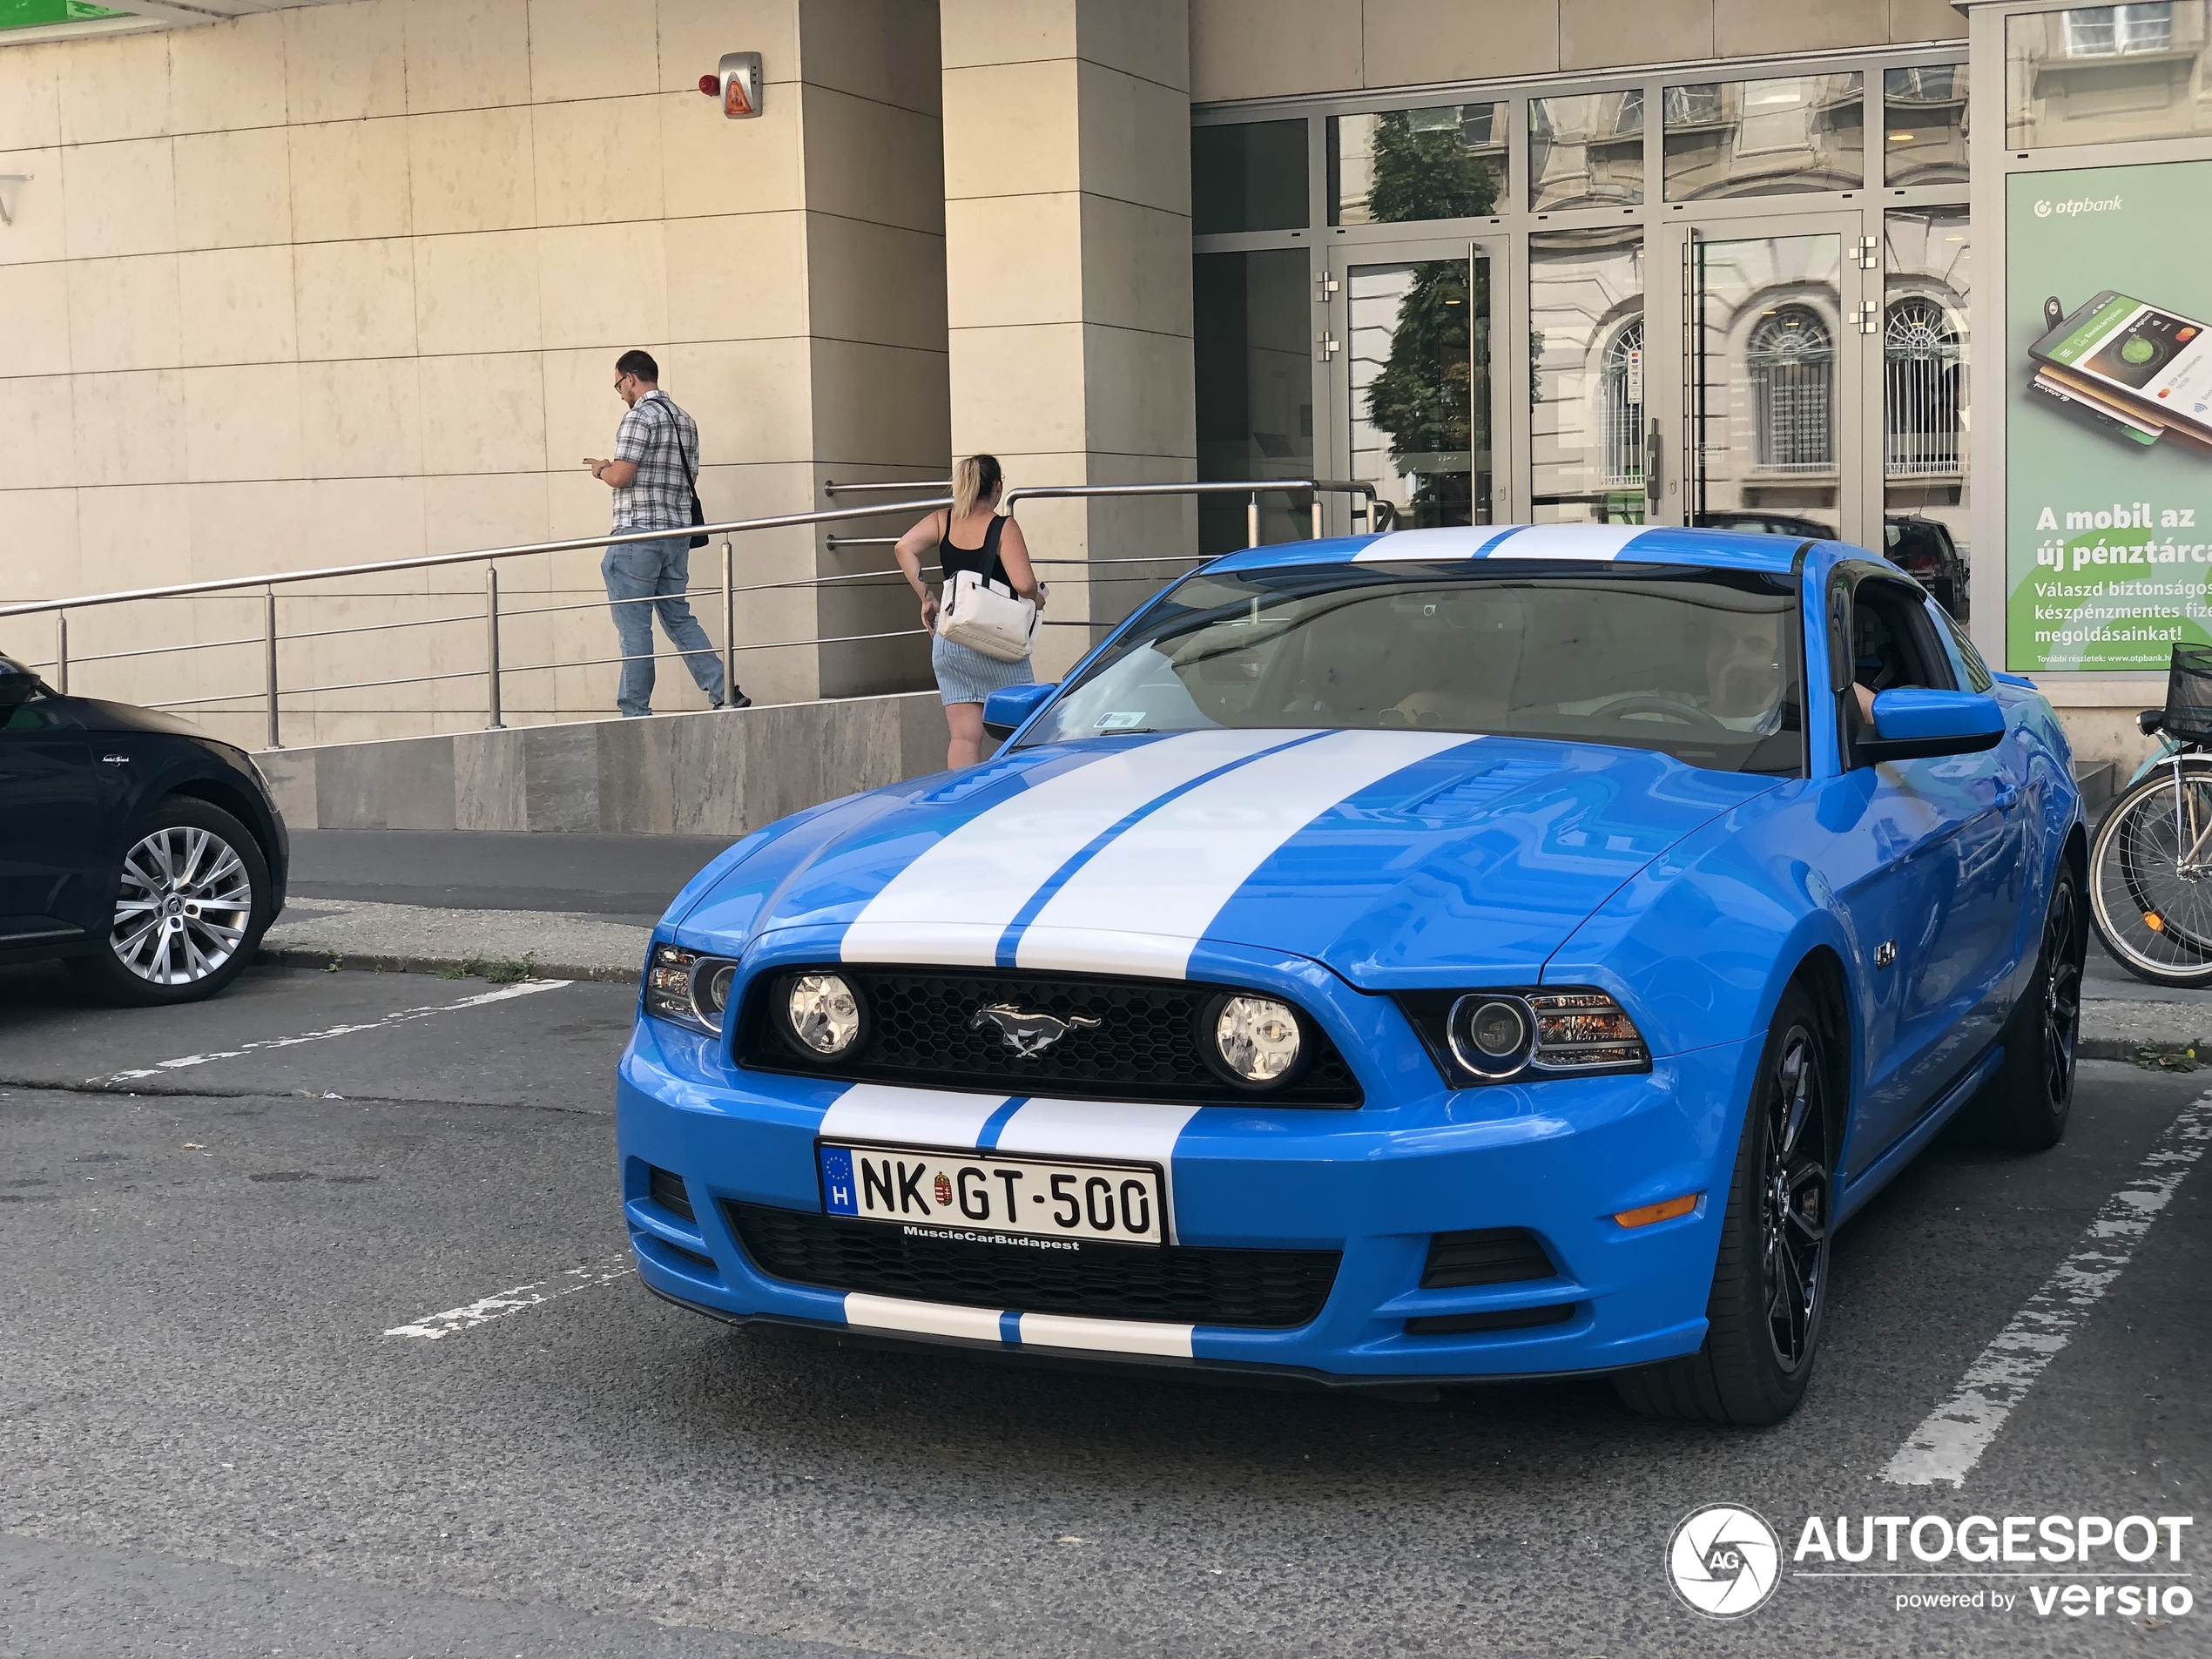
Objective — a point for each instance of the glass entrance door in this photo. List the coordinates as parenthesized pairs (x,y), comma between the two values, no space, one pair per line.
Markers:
(1412,394)
(1773,376)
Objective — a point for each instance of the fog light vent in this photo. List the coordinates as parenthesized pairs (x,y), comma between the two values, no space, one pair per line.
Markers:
(1486,1255)
(1446,1324)
(666,1190)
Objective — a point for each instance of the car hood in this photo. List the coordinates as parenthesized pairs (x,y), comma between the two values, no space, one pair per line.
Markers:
(1398,857)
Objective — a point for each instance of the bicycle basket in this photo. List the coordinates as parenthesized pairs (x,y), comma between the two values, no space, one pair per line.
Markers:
(2188,694)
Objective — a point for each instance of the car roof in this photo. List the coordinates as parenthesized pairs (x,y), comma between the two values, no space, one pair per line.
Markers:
(1596,543)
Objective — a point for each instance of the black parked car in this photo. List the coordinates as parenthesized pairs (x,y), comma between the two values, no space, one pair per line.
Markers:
(1922,548)
(145,853)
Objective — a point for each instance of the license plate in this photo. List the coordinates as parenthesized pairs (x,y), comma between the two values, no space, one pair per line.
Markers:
(943,1193)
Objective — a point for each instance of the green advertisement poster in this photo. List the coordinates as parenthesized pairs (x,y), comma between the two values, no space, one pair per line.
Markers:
(2108,382)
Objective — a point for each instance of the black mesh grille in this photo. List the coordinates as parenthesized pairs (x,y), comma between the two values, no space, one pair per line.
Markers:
(1488,1255)
(1177,1283)
(920,1028)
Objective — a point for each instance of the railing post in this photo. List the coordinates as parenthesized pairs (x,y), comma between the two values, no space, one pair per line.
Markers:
(269,641)
(491,648)
(1251,521)
(729,624)
(61,653)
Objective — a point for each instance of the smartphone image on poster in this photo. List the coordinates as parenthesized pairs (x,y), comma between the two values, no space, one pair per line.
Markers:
(2103,413)
(2156,361)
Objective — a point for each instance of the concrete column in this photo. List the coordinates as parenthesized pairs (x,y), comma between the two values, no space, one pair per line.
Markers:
(1068,266)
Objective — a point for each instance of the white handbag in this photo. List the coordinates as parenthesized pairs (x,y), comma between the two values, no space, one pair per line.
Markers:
(984,616)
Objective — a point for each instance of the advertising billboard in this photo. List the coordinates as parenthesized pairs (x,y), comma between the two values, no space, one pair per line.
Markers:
(2108,379)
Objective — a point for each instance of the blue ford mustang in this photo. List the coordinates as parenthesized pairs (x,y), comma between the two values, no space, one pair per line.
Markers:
(1457,955)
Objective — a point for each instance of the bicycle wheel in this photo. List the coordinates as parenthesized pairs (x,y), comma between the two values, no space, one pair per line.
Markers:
(2150,878)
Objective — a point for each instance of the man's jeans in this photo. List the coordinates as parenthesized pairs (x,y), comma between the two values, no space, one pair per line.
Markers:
(659,571)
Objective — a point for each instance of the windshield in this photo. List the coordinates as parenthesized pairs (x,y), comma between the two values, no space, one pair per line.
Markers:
(1702,665)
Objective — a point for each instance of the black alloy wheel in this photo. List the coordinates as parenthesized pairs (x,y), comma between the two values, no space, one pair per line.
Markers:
(1793,1210)
(2025,1105)
(1770,1291)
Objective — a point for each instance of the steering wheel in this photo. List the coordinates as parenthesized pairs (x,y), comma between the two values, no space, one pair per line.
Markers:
(1653,702)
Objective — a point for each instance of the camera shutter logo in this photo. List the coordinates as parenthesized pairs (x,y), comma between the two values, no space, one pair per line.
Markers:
(1724,1560)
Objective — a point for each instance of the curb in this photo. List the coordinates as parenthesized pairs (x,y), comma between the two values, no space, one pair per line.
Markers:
(349,962)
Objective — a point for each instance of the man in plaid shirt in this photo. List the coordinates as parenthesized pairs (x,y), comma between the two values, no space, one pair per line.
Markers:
(652,474)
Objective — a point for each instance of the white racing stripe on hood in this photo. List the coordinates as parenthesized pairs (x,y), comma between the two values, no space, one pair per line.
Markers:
(909,1116)
(1145,900)
(953,903)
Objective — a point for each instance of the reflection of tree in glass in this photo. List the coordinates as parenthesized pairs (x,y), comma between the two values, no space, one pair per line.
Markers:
(1426,173)
(1423,394)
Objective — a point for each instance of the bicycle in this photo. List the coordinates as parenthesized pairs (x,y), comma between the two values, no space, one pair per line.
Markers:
(2150,868)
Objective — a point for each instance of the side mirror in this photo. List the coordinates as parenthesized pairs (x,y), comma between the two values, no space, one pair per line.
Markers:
(1910,724)
(1004,710)
(17,685)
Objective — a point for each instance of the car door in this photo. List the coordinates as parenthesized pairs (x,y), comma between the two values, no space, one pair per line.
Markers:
(1935,910)
(51,857)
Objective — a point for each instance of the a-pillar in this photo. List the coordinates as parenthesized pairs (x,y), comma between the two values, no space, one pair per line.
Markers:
(1068,270)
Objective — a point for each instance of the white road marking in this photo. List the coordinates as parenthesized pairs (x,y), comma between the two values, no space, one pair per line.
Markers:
(504,993)
(1945,1447)
(432,1326)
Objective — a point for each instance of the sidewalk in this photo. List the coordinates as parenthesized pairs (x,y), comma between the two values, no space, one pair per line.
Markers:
(583,906)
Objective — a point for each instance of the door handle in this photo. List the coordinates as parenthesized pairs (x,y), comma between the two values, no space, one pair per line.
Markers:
(1654,466)
(2007,797)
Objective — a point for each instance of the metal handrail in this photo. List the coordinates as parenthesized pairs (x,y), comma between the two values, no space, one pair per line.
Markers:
(266,588)
(1251,488)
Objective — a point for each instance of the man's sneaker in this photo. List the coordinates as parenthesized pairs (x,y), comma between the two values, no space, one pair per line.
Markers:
(740,701)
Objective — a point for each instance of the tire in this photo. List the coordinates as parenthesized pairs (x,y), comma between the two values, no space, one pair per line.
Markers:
(1770,1281)
(2156,922)
(191,902)
(2025,1105)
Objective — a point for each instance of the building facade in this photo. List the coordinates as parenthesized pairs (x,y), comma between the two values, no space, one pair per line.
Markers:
(340,281)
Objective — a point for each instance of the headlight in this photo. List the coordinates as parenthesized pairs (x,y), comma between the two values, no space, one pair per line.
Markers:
(1490,1036)
(824,1015)
(1498,1036)
(688,988)
(1257,1038)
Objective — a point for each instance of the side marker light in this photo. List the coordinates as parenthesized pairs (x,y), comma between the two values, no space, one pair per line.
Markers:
(1666,1210)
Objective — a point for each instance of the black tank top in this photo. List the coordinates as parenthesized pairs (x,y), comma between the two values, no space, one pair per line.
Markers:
(983,560)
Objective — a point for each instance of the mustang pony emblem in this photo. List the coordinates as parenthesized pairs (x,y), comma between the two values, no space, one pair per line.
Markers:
(1030,1035)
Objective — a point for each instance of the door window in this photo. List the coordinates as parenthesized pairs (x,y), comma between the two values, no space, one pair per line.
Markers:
(1399,166)
(1766,426)
(1419,335)
(1586,334)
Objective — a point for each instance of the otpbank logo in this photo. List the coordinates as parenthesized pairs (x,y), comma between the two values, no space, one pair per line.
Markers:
(2073,207)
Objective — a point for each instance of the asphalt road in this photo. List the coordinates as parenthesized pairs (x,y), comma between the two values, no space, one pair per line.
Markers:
(210,1444)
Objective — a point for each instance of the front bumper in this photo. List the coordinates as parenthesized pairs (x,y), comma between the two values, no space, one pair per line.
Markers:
(1559,1158)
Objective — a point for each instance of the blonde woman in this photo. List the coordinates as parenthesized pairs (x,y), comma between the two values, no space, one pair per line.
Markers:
(971,536)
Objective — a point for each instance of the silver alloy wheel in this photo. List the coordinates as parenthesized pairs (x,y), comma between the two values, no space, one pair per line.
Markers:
(183,906)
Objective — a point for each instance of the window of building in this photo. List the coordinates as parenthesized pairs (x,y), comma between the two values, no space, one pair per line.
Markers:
(1927,284)
(1924,124)
(1767,138)
(2107,74)
(1249,176)
(1398,166)
(1621,395)
(1791,358)
(1586,150)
